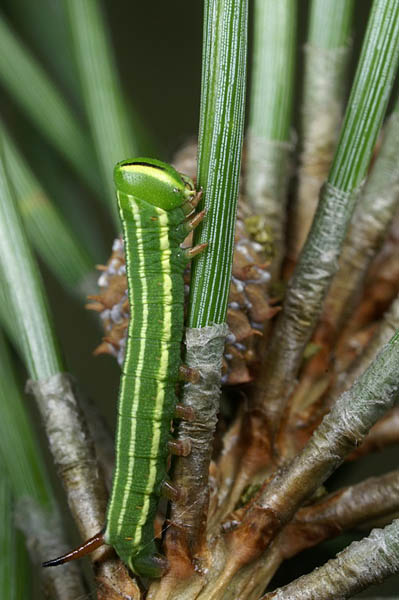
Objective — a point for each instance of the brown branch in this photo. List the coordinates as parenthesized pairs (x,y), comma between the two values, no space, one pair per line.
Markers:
(374,498)
(384,433)
(345,509)
(373,216)
(360,565)
(388,325)
(340,432)
(381,285)
(293,329)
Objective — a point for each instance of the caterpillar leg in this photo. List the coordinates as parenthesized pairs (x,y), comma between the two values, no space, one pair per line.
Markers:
(194,221)
(197,198)
(187,413)
(179,447)
(191,252)
(188,374)
(172,492)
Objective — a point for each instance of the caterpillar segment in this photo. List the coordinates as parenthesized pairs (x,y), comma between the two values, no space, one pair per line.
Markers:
(154,202)
(155,206)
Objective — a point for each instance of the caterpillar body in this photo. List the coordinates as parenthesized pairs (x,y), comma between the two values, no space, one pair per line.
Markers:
(154,202)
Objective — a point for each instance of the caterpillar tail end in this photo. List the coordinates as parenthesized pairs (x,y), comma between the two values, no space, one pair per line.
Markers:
(152,566)
(86,548)
(55,562)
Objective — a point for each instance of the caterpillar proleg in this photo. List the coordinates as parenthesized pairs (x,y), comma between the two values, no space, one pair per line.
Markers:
(154,202)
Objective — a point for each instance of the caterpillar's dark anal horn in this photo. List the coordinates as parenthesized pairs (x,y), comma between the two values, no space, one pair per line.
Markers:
(86,548)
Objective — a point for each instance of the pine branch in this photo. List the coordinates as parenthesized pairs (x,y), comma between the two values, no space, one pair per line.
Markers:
(373,499)
(72,451)
(327,54)
(360,565)
(343,510)
(269,136)
(384,433)
(44,537)
(35,506)
(372,218)
(102,438)
(371,222)
(318,261)
(340,432)
(256,543)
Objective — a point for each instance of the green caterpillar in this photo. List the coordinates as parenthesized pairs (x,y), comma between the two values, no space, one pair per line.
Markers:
(155,202)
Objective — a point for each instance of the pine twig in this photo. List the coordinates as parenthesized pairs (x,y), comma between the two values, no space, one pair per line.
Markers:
(354,569)
(372,218)
(319,258)
(343,510)
(45,537)
(35,515)
(74,457)
(245,558)
(371,221)
(354,506)
(103,440)
(45,106)
(340,432)
(105,106)
(384,433)
(269,136)
(72,451)
(220,143)
(327,54)
(318,261)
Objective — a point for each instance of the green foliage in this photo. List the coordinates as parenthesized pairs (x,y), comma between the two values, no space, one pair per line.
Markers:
(219,155)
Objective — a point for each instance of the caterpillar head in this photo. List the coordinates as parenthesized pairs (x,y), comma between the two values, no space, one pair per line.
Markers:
(155,182)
